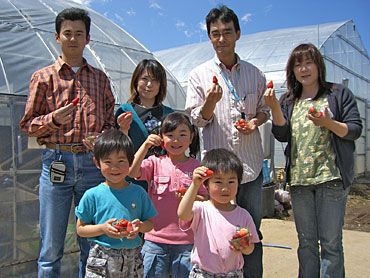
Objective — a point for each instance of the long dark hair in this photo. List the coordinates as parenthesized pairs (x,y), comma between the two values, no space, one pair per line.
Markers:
(305,50)
(171,122)
(155,70)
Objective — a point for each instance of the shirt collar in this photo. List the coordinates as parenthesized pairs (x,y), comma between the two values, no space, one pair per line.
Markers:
(222,66)
(59,64)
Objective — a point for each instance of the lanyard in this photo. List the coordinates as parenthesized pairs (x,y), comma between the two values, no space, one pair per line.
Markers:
(231,88)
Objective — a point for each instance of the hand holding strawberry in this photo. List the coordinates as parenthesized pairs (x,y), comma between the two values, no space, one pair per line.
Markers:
(123,226)
(214,94)
(240,239)
(75,101)
(124,121)
(270,97)
(209,172)
(246,127)
(313,112)
(241,123)
(181,190)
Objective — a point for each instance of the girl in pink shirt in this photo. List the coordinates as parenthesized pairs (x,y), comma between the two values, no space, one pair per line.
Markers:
(167,248)
(217,222)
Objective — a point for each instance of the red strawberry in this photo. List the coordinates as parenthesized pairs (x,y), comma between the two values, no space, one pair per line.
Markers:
(270,85)
(75,101)
(312,110)
(129,227)
(181,190)
(244,242)
(214,80)
(241,233)
(121,224)
(319,114)
(241,123)
(209,172)
(241,238)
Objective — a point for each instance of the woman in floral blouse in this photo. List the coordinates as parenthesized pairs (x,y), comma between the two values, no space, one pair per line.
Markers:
(319,121)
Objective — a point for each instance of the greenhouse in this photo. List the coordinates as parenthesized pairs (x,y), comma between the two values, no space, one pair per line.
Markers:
(346,59)
(27,43)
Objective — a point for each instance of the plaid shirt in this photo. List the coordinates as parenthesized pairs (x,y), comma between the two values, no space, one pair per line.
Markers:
(56,85)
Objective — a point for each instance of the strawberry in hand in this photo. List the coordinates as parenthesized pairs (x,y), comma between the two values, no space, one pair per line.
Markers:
(209,172)
(123,226)
(181,190)
(270,85)
(214,80)
(313,112)
(241,238)
(241,123)
(75,101)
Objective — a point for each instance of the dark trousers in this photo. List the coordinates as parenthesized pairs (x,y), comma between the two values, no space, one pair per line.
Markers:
(249,197)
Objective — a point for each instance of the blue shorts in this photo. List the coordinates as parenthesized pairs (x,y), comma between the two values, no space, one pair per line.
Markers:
(161,260)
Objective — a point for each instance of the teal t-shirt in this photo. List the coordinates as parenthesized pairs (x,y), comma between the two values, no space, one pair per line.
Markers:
(102,203)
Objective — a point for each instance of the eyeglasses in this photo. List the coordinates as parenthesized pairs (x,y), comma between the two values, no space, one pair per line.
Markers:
(146,80)
(225,34)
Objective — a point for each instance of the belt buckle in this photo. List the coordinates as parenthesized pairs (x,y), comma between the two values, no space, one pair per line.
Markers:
(76,148)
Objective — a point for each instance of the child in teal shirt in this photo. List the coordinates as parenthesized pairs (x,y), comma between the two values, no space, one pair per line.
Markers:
(114,253)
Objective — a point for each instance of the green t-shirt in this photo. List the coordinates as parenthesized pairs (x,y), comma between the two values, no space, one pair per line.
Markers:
(313,158)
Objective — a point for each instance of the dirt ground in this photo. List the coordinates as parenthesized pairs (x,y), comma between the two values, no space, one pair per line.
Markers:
(357,216)
(280,231)
(358,209)
(283,262)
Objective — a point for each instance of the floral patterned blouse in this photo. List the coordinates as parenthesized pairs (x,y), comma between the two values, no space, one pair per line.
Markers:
(313,158)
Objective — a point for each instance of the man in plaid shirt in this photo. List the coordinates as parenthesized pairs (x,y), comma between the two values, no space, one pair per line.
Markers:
(62,126)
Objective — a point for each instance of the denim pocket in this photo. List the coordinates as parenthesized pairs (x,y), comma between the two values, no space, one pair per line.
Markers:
(48,154)
(334,191)
(154,260)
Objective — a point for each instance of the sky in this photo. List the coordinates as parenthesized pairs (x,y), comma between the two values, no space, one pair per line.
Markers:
(163,24)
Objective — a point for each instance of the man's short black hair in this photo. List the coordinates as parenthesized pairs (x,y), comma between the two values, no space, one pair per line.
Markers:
(224,14)
(112,141)
(73,14)
(224,161)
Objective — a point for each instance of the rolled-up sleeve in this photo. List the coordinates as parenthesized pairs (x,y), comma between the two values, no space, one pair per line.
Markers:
(110,102)
(37,121)
(195,98)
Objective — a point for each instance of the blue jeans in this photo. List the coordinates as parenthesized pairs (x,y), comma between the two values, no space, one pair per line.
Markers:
(249,197)
(55,206)
(319,216)
(161,260)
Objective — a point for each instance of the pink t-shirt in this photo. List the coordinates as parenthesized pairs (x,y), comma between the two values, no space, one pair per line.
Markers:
(212,231)
(164,178)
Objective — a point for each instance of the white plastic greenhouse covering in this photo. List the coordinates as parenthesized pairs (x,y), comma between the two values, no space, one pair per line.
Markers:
(345,57)
(339,42)
(27,43)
